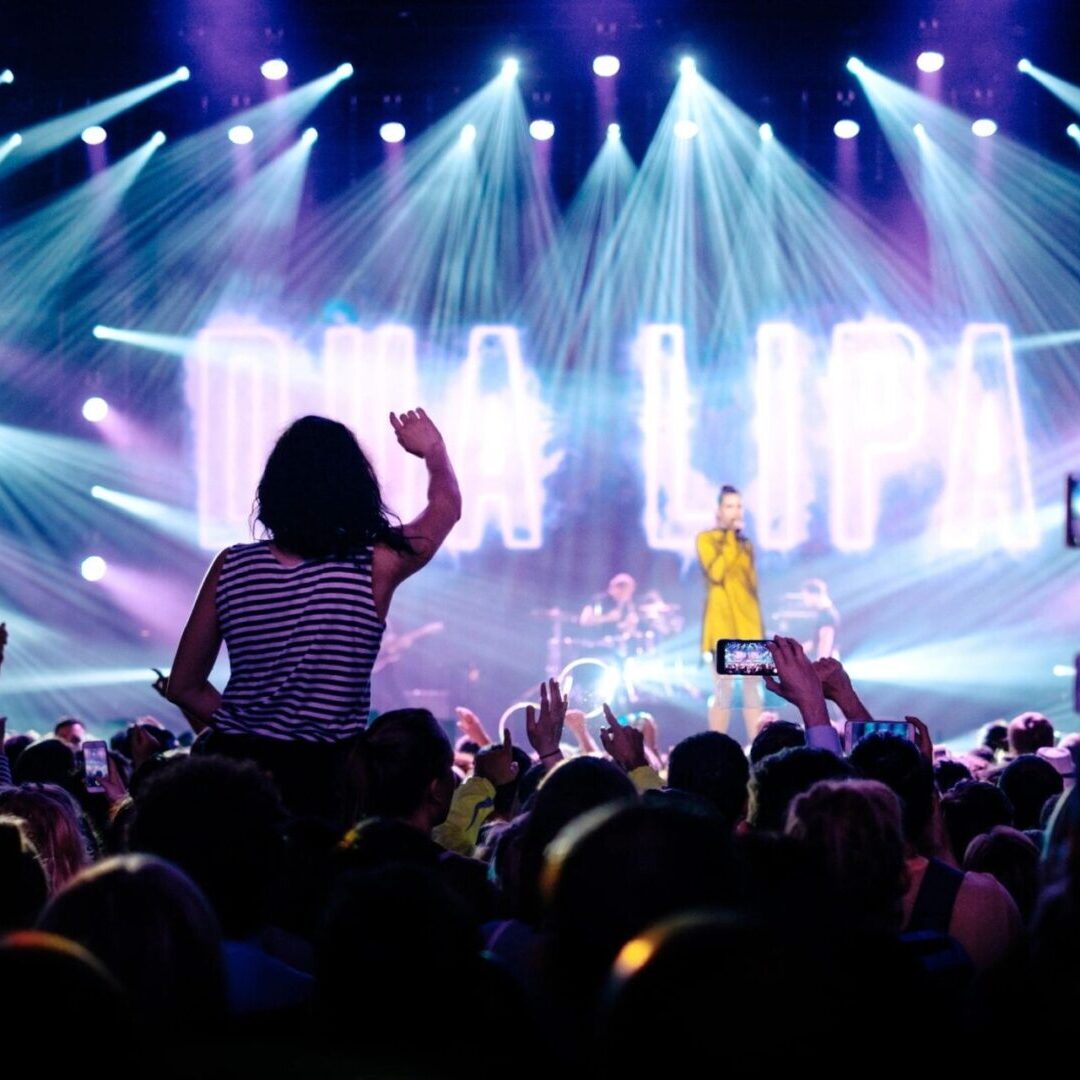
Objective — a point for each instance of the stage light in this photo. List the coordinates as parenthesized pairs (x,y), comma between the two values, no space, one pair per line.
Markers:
(95,409)
(687,66)
(309,136)
(392,132)
(1024,66)
(468,135)
(345,70)
(984,128)
(541,130)
(855,65)
(7,76)
(920,131)
(614,132)
(94,135)
(606,66)
(182,73)
(241,135)
(510,69)
(930,61)
(1073,131)
(845,129)
(158,138)
(765,131)
(93,568)
(15,139)
(685,129)
(274,69)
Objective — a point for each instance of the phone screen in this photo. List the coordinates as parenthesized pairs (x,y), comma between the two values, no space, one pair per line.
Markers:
(96,762)
(857,730)
(735,657)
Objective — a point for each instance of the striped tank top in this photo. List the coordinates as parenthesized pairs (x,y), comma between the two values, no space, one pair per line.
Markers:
(302,641)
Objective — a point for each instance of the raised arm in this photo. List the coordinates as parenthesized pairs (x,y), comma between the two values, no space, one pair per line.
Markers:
(189,685)
(419,436)
(717,550)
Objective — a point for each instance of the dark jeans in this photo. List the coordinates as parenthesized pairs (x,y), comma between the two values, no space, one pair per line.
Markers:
(312,777)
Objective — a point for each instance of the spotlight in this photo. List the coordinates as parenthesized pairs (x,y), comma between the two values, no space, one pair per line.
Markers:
(94,135)
(274,69)
(614,132)
(345,70)
(309,136)
(7,76)
(1024,66)
(93,568)
(182,73)
(766,132)
(984,128)
(468,135)
(541,130)
(930,61)
(95,409)
(1073,131)
(158,138)
(393,132)
(920,131)
(15,139)
(606,66)
(855,65)
(687,66)
(241,135)
(845,129)
(101,332)
(510,68)
(685,129)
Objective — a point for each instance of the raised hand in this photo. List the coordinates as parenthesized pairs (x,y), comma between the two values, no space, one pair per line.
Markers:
(496,763)
(469,724)
(545,730)
(837,687)
(623,743)
(416,432)
(796,680)
(922,738)
(3,641)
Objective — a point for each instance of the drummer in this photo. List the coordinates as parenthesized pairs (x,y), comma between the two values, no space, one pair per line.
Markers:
(614,608)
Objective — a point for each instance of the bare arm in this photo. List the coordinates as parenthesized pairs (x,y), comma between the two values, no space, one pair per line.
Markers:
(189,685)
(426,533)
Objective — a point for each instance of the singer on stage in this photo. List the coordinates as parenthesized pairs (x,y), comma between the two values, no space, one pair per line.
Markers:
(731,606)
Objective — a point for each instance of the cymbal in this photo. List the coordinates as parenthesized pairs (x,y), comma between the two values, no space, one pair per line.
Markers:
(554,613)
(658,607)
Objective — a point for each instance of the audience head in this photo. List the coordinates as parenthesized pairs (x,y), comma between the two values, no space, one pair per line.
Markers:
(52,820)
(778,778)
(319,495)
(776,736)
(221,822)
(854,833)
(971,808)
(47,761)
(402,768)
(995,737)
(897,763)
(1029,781)
(1013,859)
(566,792)
(25,887)
(1028,732)
(948,772)
(714,767)
(152,929)
(70,730)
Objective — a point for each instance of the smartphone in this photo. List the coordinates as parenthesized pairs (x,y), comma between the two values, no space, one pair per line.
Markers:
(734,657)
(95,764)
(1072,510)
(857,730)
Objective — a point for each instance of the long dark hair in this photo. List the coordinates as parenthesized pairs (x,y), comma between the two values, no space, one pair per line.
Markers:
(319,495)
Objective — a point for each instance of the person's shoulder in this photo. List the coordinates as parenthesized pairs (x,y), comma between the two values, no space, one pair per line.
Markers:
(984,895)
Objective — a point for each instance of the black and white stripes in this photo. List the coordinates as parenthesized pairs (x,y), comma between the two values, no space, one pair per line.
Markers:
(302,641)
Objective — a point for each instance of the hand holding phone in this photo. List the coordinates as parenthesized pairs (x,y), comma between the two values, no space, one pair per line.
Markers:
(95,765)
(857,730)
(744,657)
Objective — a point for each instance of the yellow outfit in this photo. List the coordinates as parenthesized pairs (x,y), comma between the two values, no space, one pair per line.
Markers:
(731,611)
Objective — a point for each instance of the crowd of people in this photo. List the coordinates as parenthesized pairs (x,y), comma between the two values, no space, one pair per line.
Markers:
(371,897)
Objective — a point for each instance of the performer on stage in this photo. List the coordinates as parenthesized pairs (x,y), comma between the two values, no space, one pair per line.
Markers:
(614,608)
(731,606)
